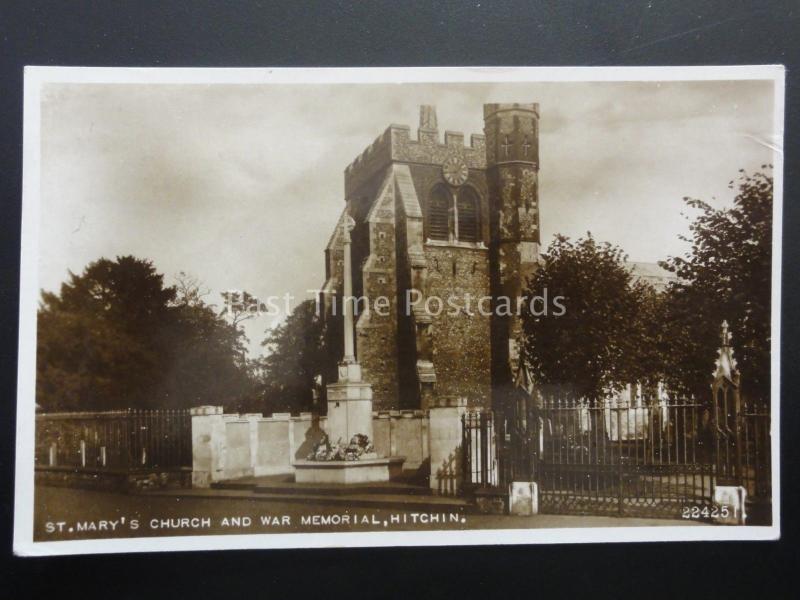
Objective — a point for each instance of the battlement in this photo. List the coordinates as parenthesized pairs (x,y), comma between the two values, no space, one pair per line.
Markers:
(395,144)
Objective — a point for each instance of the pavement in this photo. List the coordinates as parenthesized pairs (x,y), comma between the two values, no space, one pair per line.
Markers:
(68,513)
(402,495)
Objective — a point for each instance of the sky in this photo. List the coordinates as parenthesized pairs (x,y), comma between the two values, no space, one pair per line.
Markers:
(241,185)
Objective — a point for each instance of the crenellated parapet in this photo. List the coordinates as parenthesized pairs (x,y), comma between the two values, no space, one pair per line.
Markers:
(429,149)
(396,144)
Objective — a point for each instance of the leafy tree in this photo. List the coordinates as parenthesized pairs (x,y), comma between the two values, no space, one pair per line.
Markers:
(208,358)
(297,352)
(240,306)
(725,276)
(604,338)
(96,340)
(116,337)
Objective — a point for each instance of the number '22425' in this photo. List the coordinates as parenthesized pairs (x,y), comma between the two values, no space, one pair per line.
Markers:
(704,512)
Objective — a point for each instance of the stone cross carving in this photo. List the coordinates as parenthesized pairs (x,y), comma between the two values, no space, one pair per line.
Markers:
(348,224)
(726,336)
(506,145)
(726,366)
(525,145)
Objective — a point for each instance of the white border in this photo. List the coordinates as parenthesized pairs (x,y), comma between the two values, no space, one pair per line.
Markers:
(35,77)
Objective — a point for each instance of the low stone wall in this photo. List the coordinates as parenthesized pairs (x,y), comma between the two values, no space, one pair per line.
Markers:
(234,446)
(113,480)
(402,433)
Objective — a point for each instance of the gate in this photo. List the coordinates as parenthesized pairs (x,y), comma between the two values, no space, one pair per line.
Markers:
(757,461)
(646,456)
(652,459)
(479,466)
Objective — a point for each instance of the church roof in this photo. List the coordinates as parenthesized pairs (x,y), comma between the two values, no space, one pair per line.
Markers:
(333,240)
(651,273)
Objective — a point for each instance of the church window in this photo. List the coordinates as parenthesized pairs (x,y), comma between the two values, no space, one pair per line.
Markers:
(439,215)
(467,210)
(454,218)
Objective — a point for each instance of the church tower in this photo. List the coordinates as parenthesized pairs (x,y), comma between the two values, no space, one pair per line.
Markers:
(512,176)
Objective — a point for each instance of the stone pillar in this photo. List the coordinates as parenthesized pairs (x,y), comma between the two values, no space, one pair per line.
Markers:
(445,435)
(349,346)
(350,398)
(253,419)
(208,445)
(730,502)
(523,498)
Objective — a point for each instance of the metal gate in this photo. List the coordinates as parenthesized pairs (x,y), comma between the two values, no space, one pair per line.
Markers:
(652,459)
(657,458)
(646,455)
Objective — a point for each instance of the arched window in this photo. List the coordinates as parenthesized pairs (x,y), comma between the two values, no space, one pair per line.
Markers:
(439,215)
(468,218)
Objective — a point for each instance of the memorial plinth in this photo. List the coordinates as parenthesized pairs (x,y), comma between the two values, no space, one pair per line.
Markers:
(349,409)
(349,413)
(349,405)
(365,470)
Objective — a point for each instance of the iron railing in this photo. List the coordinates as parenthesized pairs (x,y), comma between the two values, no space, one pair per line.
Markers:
(125,440)
(650,459)
(479,463)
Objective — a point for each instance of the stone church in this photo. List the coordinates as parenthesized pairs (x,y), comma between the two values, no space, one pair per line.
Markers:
(437,217)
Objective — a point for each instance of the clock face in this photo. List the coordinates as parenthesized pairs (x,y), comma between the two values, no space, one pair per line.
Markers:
(455,170)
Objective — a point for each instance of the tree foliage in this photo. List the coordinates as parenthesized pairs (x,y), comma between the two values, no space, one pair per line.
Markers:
(296,353)
(605,338)
(726,275)
(615,331)
(116,337)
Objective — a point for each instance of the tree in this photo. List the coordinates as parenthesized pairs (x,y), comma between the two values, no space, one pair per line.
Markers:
(726,275)
(116,337)
(208,357)
(97,339)
(604,338)
(297,354)
(240,306)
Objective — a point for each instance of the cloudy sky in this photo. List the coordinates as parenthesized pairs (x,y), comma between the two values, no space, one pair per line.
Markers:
(241,185)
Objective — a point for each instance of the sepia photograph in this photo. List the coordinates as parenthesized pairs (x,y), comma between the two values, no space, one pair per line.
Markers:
(290,308)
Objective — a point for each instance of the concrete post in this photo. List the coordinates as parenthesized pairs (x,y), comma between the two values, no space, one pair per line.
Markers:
(253,419)
(208,445)
(444,431)
(730,503)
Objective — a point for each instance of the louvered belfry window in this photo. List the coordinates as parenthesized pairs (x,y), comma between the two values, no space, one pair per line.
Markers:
(439,216)
(467,216)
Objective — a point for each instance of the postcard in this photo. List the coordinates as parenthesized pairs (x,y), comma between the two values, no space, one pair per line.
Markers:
(284,308)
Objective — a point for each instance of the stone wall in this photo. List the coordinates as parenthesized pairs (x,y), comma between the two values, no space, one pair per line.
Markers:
(461,349)
(376,328)
(402,433)
(233,446)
